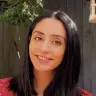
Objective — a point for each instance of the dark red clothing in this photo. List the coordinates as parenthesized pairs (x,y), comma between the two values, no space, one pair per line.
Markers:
(5,92)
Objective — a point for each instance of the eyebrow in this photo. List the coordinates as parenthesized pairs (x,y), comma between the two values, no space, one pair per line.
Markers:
(52,34)
(38,32)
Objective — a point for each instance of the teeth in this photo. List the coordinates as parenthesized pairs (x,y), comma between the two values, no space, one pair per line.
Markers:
(43,58)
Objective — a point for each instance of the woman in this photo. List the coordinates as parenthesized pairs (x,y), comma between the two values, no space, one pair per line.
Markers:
(52,60)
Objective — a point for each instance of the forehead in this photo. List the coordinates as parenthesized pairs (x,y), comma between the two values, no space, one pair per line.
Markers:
(50,26)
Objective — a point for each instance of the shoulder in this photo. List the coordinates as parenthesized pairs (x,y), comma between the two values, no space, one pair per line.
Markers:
(5,80)
(4,83)
(85,93)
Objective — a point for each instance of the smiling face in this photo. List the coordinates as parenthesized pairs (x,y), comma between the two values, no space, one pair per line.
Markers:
(47,44)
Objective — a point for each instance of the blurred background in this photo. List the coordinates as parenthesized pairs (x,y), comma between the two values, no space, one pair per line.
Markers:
(14,27)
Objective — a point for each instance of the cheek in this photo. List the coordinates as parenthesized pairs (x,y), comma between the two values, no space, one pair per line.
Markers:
(58,54)
(32,46)
(32,49)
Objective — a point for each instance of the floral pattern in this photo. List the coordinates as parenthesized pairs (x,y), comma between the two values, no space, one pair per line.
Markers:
(4,87)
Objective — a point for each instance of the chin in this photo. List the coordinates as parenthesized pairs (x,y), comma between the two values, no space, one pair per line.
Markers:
(43,69)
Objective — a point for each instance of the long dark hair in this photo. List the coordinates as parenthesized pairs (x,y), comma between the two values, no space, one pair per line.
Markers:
(67,73)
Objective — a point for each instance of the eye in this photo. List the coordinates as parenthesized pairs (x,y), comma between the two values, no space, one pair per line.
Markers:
(38,38)
(57,42)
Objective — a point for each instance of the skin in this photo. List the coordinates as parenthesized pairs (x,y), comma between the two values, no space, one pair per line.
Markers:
(46,50)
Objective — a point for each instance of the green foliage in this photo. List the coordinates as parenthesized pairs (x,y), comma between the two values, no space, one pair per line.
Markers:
(22,11)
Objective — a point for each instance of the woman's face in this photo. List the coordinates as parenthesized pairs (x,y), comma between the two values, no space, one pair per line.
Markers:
(47,44)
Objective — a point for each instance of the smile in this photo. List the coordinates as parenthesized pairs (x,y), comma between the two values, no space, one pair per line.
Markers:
(44,58)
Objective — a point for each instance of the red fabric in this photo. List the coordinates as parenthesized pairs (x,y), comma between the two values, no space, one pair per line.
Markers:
(5,92)
(3,87)
(85,93)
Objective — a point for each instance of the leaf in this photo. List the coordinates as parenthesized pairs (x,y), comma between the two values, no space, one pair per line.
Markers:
(21,11)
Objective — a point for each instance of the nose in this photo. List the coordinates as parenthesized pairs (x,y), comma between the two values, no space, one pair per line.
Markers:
(45,47)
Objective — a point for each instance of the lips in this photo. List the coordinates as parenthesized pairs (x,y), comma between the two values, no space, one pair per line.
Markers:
(45,59)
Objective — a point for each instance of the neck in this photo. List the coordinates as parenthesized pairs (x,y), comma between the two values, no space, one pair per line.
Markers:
(42,79)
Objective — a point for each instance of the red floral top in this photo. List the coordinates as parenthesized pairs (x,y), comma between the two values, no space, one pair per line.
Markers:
(4,87)
(5,92)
